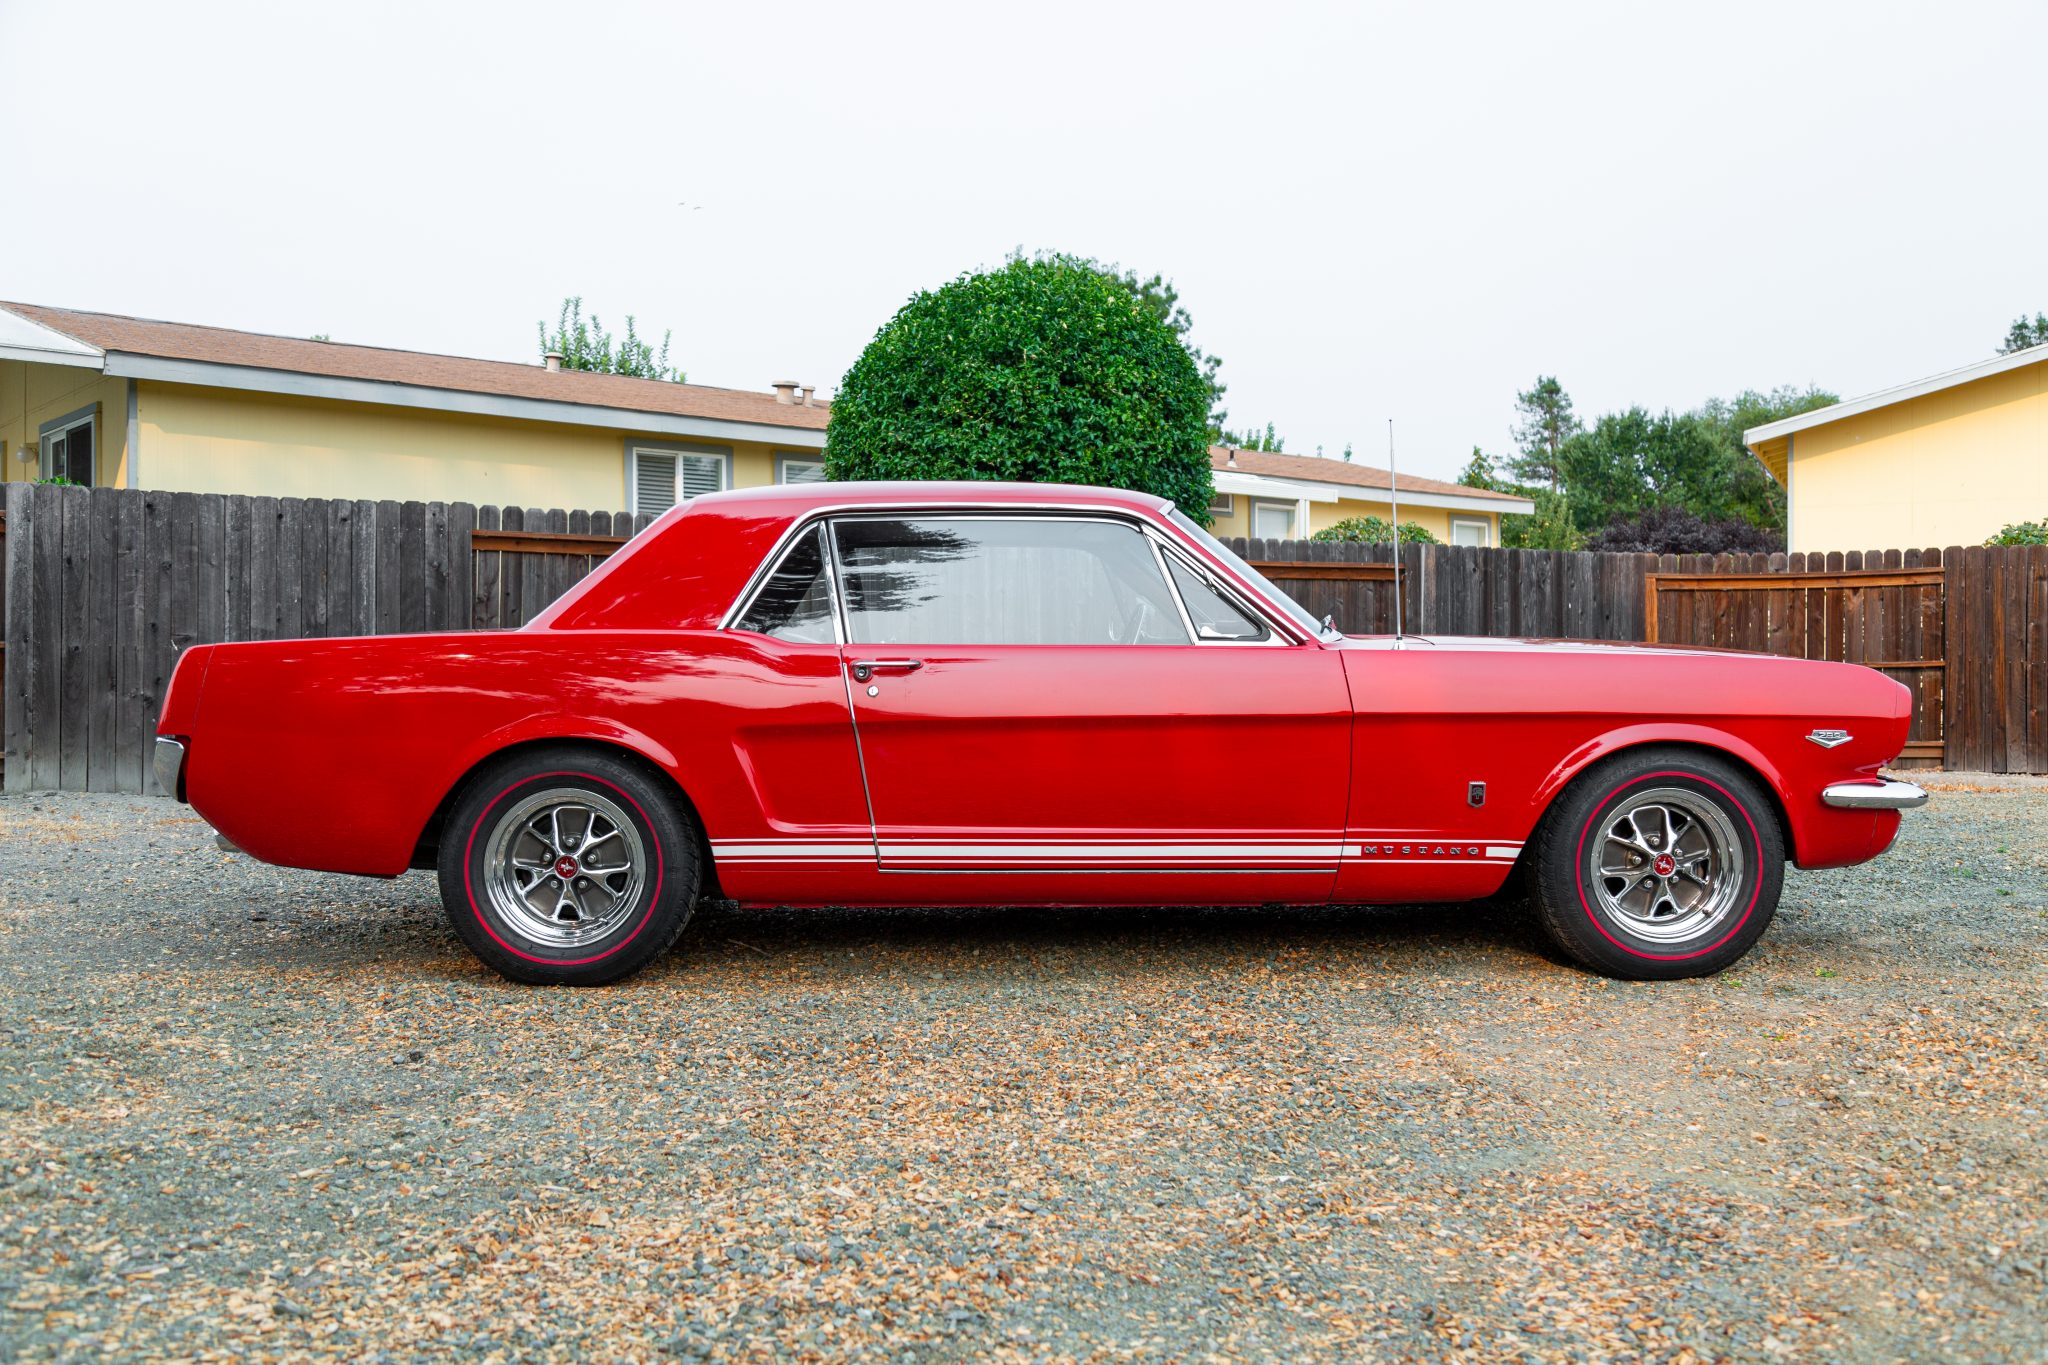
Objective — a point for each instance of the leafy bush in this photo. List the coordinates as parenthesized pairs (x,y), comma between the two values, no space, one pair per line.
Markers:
(1675,531)
(1048,370)
(2022,533)
(588,346)
(1375,530)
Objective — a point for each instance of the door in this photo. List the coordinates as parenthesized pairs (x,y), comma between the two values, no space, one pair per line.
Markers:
(1041,717)
(805,833)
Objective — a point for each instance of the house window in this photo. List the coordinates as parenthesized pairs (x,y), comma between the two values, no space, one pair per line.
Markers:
(795,469)
(69,445)
(1273,520)
(659,477)
(1222,505)
(1471,531)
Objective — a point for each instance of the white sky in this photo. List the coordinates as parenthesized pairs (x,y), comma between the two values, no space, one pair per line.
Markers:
(1386,211)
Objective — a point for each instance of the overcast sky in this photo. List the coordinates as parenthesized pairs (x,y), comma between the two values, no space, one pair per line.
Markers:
(1372,211)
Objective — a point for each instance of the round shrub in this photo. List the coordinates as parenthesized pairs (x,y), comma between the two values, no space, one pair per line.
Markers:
(1047,370)
(1369,529)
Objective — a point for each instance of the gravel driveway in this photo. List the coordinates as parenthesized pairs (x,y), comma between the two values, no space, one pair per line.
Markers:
(246,1111)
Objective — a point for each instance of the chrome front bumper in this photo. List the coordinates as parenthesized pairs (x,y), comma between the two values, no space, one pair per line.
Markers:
(1874,795)
(169,763)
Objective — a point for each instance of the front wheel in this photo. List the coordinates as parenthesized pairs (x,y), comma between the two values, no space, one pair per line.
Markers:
(1658,864)
(567,867)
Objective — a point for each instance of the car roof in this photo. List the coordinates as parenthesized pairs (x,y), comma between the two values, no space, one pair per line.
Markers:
(685,570)
(799,498)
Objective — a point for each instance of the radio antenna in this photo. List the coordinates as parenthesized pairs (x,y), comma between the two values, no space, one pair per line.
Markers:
(1394,497)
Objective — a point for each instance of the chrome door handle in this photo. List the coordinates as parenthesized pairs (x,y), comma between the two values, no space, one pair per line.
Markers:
(863,669)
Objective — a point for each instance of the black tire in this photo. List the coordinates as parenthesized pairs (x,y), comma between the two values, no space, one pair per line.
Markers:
(610,917)
(1624,891)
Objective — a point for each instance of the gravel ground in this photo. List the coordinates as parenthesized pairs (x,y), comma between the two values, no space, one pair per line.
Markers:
(247,1112)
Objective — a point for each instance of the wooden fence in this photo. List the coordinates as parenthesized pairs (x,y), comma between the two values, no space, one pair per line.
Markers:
(103,587)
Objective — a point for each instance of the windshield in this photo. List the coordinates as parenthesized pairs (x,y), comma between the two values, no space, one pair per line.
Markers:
(1295,611)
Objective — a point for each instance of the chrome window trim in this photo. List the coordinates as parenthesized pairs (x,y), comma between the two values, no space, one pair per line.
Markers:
(1187,622)
(1113,516)
(775,564)
(1150,520)
(1228,592)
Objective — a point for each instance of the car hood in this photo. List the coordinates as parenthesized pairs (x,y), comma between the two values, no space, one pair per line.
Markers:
(1509,644)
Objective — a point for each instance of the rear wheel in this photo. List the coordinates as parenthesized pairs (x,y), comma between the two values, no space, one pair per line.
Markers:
(568,867)
(1658,864)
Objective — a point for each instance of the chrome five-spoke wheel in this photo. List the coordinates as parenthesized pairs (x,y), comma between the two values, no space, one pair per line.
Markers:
(564,866)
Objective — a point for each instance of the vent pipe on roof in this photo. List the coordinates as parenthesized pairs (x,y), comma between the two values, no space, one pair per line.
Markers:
(809,389)
(553,360)
(785,390)
(1230,457)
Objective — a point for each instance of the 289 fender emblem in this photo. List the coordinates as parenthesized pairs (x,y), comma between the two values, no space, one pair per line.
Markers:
(1830,739)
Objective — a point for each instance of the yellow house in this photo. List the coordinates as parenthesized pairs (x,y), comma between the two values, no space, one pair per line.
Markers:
(1948,460)
(130,402)
(1284,497)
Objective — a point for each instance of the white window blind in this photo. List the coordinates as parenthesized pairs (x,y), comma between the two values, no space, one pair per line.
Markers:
(803,471)
(654,481)
(1273,520)
(661,478)
(700,474)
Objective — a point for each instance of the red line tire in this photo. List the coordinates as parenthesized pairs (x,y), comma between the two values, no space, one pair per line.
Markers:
(1658,864)
(568,866)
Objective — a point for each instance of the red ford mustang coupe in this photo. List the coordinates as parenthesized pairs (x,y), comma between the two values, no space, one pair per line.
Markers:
(970,694)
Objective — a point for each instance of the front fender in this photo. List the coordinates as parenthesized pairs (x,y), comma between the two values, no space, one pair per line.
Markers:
(1816,835)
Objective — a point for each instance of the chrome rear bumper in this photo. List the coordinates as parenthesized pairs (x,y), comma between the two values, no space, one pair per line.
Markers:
(1874,795)
(169,763)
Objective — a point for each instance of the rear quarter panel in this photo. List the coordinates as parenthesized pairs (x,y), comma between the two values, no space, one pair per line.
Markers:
(334,754)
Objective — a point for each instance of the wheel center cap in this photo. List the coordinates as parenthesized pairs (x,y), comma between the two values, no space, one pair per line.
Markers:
(1665,864)
(565,867)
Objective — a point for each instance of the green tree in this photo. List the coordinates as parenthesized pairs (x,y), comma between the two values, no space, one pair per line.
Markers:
(588,346)
(1484,471)
(1549,527)
(1159,295)
(1547,422)
(1253,439)
(2023,334)
(1752,493)
(1634,460)
(1046,369)
(1375,530)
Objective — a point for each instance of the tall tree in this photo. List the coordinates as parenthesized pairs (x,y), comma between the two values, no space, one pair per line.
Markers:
(1753,493)
(1549,527)
(1634,460)
(1251,438)
(588,346)
(1547,422)
(1159,295)
(2023,334)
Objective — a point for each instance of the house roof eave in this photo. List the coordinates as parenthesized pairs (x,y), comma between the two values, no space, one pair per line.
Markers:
(296,383)
(1898,393)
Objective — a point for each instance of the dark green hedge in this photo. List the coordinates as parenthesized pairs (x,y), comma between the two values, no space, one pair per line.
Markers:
(1045,371)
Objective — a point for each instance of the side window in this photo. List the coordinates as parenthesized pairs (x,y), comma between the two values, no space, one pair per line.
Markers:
(1215,616)
(1002,581)
(795,604)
